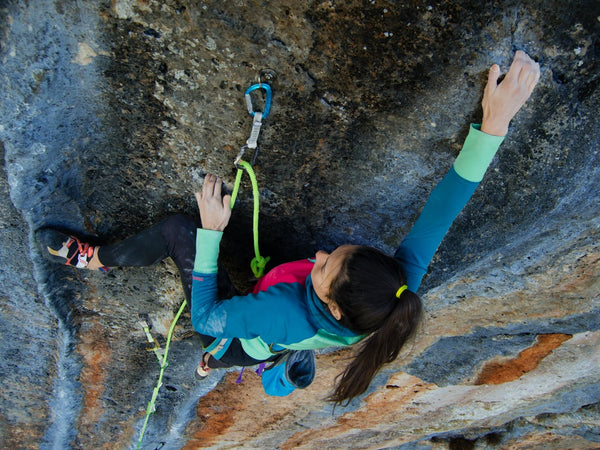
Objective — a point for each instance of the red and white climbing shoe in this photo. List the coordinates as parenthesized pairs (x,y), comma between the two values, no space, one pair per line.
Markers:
(66,249)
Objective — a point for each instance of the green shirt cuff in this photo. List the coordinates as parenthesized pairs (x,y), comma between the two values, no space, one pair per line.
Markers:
(477,154)
(207,250)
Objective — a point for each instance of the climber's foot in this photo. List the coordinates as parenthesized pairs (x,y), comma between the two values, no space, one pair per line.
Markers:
(68,250)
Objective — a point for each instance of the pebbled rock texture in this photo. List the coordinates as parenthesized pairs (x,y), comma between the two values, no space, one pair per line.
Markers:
(111,112)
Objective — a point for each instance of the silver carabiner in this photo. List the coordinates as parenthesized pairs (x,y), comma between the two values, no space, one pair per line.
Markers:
(238,158)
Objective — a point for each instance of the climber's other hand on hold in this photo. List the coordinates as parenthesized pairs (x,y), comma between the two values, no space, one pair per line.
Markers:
(501,101)
(214,207)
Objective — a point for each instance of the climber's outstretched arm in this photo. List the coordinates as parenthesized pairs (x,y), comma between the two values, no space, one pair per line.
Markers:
(500,104)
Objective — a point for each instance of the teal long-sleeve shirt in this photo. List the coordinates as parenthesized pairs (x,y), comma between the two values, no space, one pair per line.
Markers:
(445,202)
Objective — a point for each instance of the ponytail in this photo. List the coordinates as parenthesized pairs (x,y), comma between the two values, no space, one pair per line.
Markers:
(365,290)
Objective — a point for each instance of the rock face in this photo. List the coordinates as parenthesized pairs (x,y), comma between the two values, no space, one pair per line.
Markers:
(111,112)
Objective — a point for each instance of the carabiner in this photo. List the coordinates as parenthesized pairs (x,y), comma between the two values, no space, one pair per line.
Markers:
(240,155)
(254,87)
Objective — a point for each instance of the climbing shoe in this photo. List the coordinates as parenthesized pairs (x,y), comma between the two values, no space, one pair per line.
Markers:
(65,249)
(202,370)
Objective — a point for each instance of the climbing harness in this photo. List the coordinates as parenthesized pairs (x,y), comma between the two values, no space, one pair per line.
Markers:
(257,264)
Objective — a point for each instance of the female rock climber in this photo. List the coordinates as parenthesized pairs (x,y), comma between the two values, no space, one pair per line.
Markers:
(355,294)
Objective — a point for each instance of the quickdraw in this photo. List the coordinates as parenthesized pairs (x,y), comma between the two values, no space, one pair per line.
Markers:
(258,263)
(159,352)
(252,141)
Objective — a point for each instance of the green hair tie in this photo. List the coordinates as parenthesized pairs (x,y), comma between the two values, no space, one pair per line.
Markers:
(401,290)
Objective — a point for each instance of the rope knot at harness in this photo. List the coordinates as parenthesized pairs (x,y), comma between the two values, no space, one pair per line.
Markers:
(258,264)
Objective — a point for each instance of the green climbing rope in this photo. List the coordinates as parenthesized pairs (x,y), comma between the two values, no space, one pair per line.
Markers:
(163,365)
(257,265)
(259,262)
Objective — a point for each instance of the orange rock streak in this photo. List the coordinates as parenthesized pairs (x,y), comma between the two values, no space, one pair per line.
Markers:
(497,372)
(97,357)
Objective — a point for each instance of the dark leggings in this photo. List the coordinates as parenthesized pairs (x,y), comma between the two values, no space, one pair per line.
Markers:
(175,237)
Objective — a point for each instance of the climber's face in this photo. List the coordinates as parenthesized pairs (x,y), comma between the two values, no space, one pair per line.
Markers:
(326,269)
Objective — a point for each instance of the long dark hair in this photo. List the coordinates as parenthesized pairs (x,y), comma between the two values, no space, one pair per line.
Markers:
(365,290)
